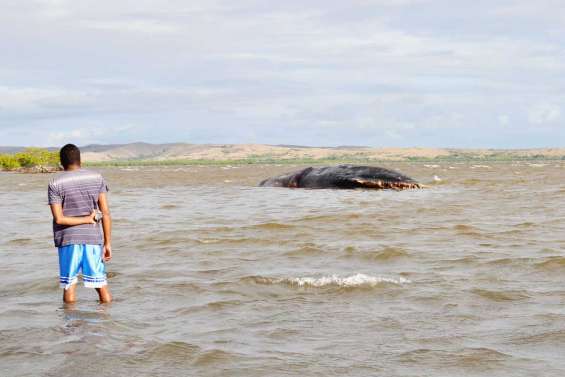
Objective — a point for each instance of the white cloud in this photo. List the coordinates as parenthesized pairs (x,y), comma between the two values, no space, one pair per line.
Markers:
(544,113)
(22,99)
(61,137)
(503,119)
(133,26)
(383,70)
(85,133)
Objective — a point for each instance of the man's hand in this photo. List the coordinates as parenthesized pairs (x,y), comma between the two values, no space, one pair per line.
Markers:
(90,219)
(61,219)
(107,253)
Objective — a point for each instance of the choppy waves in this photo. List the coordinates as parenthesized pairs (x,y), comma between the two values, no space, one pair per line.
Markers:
(209,277)
(352,281)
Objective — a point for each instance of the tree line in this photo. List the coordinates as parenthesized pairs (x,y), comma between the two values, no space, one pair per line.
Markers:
(29,158)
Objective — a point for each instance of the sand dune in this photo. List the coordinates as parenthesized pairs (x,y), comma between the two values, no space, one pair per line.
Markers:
(180,151)
(261,152)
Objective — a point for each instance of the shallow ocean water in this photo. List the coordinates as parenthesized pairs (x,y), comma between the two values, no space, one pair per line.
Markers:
(213,276)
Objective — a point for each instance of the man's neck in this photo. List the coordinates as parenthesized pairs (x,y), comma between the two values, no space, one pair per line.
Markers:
(72,168)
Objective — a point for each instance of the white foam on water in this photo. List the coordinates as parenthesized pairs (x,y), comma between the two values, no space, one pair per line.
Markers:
(480,166)
(357,280)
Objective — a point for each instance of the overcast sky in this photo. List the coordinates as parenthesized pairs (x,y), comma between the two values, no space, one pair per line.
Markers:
(445,73)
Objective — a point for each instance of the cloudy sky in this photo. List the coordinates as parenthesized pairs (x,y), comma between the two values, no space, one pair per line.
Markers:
(454,73)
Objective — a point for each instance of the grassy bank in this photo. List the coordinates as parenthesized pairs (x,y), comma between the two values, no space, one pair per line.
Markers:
(30,158)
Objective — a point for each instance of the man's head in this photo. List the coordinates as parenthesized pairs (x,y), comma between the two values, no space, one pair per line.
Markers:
(70,156)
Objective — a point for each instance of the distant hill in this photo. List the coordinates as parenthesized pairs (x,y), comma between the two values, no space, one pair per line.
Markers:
(11,149)
(259,152)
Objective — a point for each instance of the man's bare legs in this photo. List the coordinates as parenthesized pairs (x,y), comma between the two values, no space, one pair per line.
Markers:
(104,294)
(69,294)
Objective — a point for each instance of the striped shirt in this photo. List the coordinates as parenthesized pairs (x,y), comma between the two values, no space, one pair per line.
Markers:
(77,191)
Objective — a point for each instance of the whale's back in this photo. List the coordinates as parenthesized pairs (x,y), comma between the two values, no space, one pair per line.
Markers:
(343,177)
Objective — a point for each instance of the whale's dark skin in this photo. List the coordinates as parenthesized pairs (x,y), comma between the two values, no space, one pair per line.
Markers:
(343,177)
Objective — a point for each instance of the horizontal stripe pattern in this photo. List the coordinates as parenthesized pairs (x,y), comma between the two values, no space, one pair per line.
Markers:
(103,277)
(77,191)
(95,285)
(63,279)
(66,284)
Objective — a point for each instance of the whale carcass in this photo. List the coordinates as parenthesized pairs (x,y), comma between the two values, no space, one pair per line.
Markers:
(343,177)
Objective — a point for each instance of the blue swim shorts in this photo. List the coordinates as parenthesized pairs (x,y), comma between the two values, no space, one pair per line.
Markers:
(88,258)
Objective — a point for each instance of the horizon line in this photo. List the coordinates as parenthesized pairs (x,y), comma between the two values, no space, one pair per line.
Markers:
(286,146)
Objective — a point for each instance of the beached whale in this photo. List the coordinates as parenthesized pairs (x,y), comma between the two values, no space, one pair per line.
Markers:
(343,177)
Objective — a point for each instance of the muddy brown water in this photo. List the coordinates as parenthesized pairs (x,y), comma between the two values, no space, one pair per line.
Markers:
(213,276)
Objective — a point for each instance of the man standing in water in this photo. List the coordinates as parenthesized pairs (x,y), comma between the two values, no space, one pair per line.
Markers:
(78,202)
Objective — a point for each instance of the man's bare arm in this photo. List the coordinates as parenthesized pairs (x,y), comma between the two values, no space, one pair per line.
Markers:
(60,219)
(106,225)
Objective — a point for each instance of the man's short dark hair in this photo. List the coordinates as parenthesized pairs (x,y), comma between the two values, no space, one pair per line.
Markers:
(69,155)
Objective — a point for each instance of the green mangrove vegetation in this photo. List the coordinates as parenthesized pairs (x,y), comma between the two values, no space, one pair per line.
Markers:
(29,158)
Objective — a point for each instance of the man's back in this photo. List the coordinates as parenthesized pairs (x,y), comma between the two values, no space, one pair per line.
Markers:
(77,191)
(84,244)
